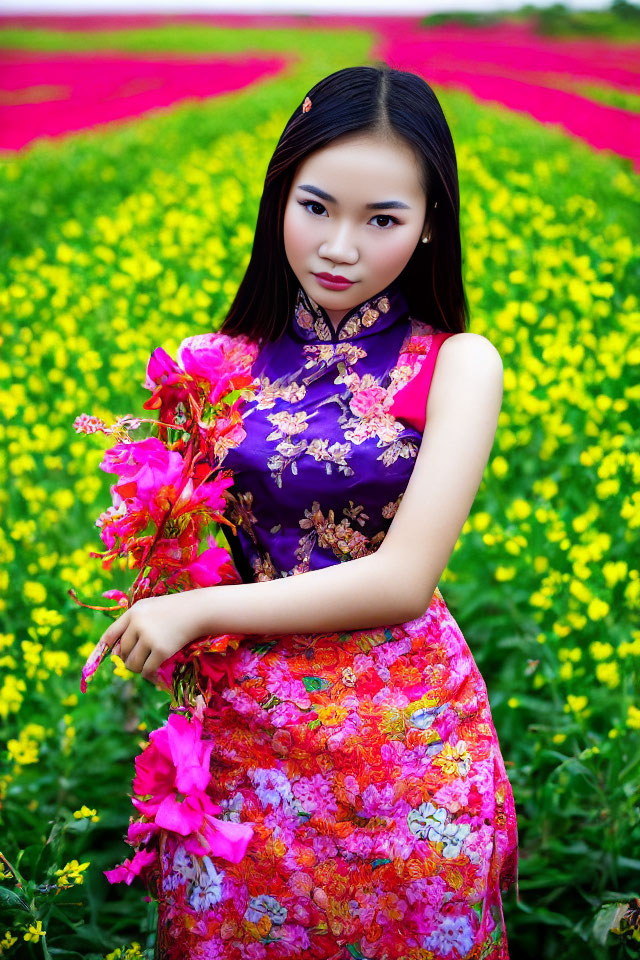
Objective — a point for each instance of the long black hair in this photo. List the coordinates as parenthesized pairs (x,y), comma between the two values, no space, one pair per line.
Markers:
(392,104)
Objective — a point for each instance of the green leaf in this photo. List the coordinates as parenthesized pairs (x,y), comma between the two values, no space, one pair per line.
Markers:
(9,898)
(315,683)
(355,951)
(608,916)
(231,397)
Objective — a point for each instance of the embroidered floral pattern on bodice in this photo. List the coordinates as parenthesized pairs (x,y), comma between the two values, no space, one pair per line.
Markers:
(311,322)
(323,410)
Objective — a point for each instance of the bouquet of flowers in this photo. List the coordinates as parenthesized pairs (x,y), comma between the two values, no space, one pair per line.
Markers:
(166,503)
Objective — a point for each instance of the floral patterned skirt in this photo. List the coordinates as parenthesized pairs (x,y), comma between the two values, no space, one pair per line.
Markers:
(384,822)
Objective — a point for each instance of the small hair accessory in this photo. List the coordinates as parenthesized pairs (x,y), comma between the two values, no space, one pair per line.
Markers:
(306,106)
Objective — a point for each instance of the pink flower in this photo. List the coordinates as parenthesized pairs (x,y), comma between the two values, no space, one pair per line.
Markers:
(144,466)
(453,796)
(119,595)
(173,393)
(173,773)
(287,687)
(174,759)
(206,570)
(369,402)
(130,869)
(141,832)
(218,360)
(87,423)
(222,838)
(169,490)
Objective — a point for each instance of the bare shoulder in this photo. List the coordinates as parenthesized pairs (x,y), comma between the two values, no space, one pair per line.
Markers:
(467,364)
(470,347)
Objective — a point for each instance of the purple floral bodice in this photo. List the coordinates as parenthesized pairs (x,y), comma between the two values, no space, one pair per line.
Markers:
(324,464)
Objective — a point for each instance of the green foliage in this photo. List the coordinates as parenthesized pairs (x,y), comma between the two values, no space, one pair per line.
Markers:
(620,22)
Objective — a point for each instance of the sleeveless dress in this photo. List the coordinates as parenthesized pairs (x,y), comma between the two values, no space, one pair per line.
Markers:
(366,761)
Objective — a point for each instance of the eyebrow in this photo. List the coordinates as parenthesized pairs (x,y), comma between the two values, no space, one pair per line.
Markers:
(382,205)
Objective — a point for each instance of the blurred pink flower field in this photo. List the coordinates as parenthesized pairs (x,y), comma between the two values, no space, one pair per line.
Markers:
(53,94)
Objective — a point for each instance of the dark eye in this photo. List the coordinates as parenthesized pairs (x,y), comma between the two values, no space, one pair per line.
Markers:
(385,216)
(310,203)
(379,216)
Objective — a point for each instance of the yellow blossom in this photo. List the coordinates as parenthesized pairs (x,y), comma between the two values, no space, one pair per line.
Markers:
(119,668)
(627,649)
(547,488)
(71,873)
(11,695)
(632,594)
(600,650)
(597,609)
(86,812)
(580,591)
(633,717)
(520,509)
(43,617)
(8,940)
(22,750)
(34,932)
(481,521)
(34,592)
(499,466)
(614,572)
(576,703)
(56,660)
(608,674)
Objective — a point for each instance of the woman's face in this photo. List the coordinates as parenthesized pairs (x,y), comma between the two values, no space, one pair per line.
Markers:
(331,226)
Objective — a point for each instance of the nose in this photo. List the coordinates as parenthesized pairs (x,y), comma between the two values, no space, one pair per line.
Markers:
(339,245)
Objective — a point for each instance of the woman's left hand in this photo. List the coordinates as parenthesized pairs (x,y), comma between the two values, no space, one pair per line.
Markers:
(150,632)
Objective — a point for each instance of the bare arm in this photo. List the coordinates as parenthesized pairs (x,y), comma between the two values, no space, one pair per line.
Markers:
(353,595)
(397,582)
(462,416)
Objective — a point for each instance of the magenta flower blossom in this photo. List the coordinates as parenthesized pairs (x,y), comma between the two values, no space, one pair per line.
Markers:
(145,467)
(172,773)
(168,496)
(205,571)
(214,359)
(130,869)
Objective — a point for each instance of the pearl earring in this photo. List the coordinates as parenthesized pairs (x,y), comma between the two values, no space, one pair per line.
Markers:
(428,238)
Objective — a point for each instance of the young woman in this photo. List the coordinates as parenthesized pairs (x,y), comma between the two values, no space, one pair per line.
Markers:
(353,728)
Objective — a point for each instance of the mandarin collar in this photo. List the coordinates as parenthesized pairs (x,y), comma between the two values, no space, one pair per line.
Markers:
(310,322)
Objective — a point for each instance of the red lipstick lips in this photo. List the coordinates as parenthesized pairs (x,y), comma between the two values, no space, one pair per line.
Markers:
(332,282)
(333,276)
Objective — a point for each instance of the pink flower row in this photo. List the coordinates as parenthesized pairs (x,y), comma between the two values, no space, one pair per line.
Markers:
(90,89)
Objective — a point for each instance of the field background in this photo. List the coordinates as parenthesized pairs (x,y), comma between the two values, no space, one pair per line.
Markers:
(132,157)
